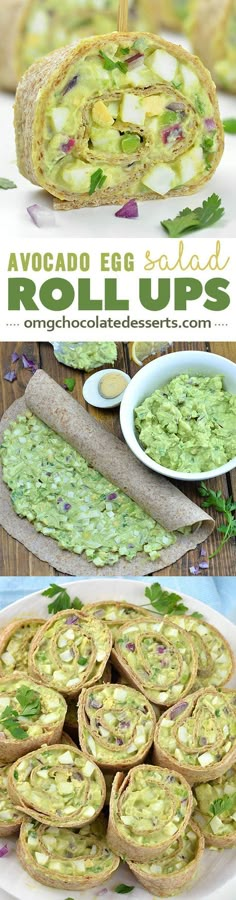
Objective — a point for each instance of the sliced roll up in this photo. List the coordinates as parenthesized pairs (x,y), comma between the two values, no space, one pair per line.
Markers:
(174,12)
(15,640)
(197,737)
(148,807)
(157,657)
(119,116)
(30,715)
(116,726)
(30,29)
(213,36)
(10,817)
(114,613)
(215,657)
(215,814)
(70,652)
(63,858)
(58,785)
(175,868)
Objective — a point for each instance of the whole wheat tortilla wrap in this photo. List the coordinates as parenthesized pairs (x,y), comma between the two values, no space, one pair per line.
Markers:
(30,29)
(116,726)
(112,458)
(169,873)
(212,31)
(117,117)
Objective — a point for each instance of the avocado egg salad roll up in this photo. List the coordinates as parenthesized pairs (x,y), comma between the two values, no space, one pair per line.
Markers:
(30,29)
(173,13)
(114,614)
(148,807)
(10,817)
(213,35)
(116,726)
(63,858)
(157,657)
(118,116)
(215,657)
(30,715)
(197,737)
(15,640)
(215,813)
(175,868)
(70,652)
(58,785)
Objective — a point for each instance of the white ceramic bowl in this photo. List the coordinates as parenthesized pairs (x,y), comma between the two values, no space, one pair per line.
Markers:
(155,375)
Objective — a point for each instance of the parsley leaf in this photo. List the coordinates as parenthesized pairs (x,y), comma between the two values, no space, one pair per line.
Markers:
(69,383)
(229,126)
(224,505)
(29,701)
(9,720)
(123,889)
(62,599)
(110,64)
(97,180)
(223,804)
(195,219)
(164,602)
(7,185)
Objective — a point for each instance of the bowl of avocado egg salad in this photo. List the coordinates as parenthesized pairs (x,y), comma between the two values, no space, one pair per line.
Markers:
(178,415)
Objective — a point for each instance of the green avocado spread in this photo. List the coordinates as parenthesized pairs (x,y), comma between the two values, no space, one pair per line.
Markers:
(74,854)
(152,805)
(175,858)
(200,732)
(60,782)
(117,724)
(189,425)
(85,354)
(216,806)
(55,489)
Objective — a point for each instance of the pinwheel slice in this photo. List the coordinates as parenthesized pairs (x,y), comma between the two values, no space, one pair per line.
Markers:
(116,726)
(10,817)
(148,807)
(58,785)
(63,858)
(213,35)
(30,29)
(198,735)
(216,810)
(30,715)
(118,116)
(69,652)
(157,657)
(176,867)
(215,657)
(114,613)
(174,12)
(15,640)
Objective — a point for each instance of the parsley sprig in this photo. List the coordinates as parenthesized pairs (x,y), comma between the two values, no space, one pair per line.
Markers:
(61,599)
(30,704)
(223,804)
(97,180)
(224,505)
(229,126)
(195,219)
(110,64)
(166,603)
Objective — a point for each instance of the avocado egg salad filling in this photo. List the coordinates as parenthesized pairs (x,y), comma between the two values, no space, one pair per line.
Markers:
(86,355)
(176,865)
(215,658)
(189,425)
(29,712)
(148,807)
(69,652)
(215,813)
(53,487)
(114,614)
(15,640)
(116,725)
(10,817)
(158,658)
(120,116)
(63,857)
(199,734)
(58,784)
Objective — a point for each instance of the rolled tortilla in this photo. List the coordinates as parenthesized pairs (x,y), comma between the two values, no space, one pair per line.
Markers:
(114,613)
(147,808)
(137,131)
(10,817)
(15,640)
(71,773)
(46,711)
(156,496)
(70,653)
(156,657)
(175,868)
(215,814)
(173,13)
(213,35)
(215,658)
(116,726)
(30,29)
(197,737)
(63,858)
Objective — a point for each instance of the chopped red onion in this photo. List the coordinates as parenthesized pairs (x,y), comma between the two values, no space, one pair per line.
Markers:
(40,215)
(124,724)
(4,850)
(70,85)
(28,363)
(128,211)
(172,134)
(10,376)
(67,506)
(194,570)
(119,742)
(71,620)
(77,776)
(111,496)
(130,646)
(210,124)
(95,704)
(202,741)
(203,565)
(134,61)
(160,649)
(177,710)
(66,147)
(203,551)
(14,357)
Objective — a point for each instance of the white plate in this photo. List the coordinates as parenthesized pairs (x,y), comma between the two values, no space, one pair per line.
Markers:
(218,869)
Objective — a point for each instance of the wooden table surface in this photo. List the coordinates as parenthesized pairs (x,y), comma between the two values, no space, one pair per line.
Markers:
(14,558)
